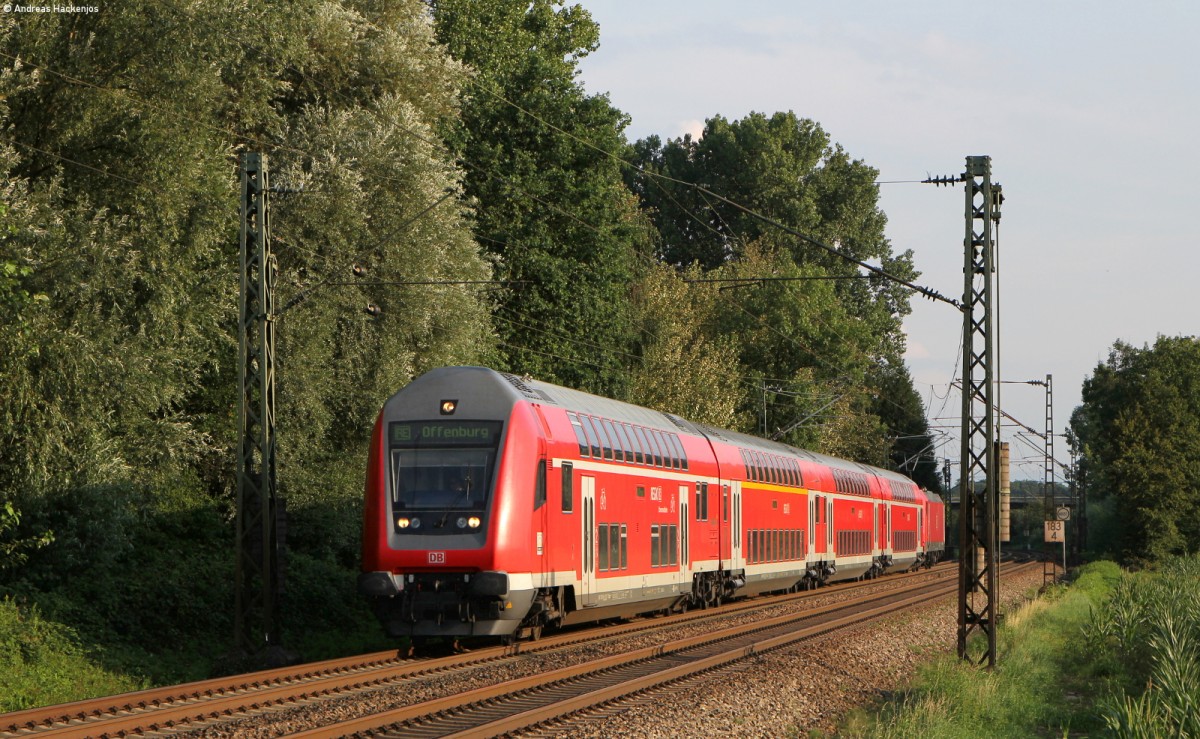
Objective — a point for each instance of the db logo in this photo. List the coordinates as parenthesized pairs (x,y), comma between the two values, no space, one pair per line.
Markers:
(437,558)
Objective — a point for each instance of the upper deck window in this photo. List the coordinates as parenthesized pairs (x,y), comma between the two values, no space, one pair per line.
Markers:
(593,439)
(577,426)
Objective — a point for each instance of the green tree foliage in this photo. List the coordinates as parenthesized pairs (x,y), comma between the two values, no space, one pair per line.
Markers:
(811,351)
(551,203)
(1139,434)
(784,168)
(799,354)
(899,407)
(120,206)
(683,363)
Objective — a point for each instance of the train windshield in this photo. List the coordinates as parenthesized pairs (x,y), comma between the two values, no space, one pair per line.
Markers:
(444,465)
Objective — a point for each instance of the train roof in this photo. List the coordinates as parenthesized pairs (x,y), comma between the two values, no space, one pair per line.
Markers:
(501,390)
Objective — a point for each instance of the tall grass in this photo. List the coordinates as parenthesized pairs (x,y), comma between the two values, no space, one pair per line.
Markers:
(1045,684)
(1151,627)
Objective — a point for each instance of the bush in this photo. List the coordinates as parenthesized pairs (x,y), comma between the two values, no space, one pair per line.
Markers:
(42,662)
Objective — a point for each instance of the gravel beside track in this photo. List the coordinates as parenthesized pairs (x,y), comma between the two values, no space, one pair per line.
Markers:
(792,692)
(781,693)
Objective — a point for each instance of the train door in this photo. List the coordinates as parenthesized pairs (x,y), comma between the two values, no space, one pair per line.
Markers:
(735,534)
(588,550)
(829,525)
(881,525)
(820,524)
(725,540)
(685,549)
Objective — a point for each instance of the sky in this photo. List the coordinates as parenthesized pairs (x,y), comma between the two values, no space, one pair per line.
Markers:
(1090,112)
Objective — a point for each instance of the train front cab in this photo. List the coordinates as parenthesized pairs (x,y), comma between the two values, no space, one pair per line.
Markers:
(449,493)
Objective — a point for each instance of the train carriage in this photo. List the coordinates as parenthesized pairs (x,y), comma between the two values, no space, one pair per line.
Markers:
(497,505)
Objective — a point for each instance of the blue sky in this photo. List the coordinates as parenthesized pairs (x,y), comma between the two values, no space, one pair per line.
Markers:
(1090,112)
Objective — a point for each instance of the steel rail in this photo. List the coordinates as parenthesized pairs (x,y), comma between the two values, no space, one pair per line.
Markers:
(488,699)
(172,707)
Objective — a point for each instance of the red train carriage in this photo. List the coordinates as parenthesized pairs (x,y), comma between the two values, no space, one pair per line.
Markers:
(497,505)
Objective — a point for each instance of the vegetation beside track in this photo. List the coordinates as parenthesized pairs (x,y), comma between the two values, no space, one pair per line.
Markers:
(1110,653)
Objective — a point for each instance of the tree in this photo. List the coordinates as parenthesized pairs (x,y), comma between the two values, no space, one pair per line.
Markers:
(800,354)
(550,199)
(683,365)
(123,200)
(784,168)
(899,407)
(1139,432)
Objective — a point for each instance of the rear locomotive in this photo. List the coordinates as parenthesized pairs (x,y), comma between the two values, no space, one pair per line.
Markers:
(451,469)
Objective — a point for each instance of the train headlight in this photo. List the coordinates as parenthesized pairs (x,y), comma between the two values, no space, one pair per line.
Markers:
(416,522)
(402,523)
(473,522)
(462,522)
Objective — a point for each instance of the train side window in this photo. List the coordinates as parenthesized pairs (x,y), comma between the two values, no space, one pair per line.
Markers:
(624,438)
(593,439)
(654,558)
(643,447)
(673,544)
(658,458)
(614,546)
(577,427)
(663,458)
(568,487)
(702,501)
(611,428)
(725,503)
(604,429)
(676,463)
(680,454)
(603,547)
(539,491)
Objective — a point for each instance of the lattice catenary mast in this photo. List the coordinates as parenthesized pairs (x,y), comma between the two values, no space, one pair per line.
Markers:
(257,573)
(978,545)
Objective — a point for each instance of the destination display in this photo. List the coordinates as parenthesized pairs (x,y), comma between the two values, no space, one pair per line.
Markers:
(444,433)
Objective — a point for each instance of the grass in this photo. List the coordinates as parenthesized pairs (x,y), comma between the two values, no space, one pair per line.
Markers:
(43,662)
(1047,682)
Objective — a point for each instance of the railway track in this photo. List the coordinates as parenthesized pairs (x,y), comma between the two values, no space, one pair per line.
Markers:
(181,709)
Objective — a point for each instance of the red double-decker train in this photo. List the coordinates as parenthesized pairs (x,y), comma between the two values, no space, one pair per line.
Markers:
(498,505)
